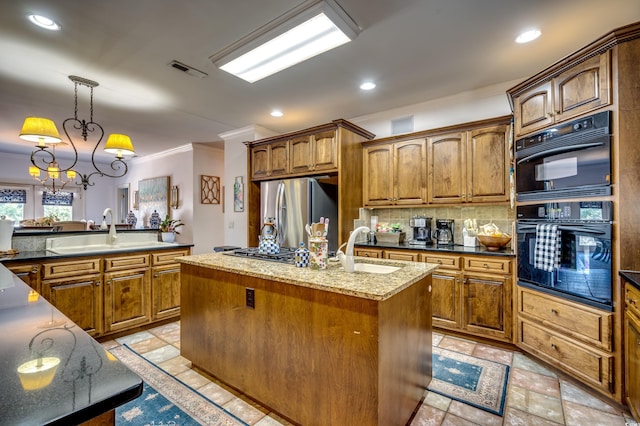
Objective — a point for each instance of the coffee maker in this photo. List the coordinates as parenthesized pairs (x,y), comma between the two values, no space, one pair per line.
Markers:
(444,231)
(421,230)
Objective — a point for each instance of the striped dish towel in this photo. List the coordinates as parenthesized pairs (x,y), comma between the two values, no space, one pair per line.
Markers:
(546,254)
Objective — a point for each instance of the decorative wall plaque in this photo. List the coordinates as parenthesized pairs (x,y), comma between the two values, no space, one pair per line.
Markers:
(209,189)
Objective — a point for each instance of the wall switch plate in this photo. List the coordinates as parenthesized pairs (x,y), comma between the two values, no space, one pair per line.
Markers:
(250,298)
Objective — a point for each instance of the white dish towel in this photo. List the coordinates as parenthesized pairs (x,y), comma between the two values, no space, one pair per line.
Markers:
(546,255)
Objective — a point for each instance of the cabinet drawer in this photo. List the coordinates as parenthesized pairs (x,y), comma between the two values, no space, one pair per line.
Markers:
(589,364)
(580,322)
(496,265)
(167,257)
(368,253)
(126,262)
(445,262)
(407,255)
(632,299)
(71,268)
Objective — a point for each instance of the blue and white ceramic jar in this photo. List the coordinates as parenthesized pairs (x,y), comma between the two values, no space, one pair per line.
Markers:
(154,221)
(301,256)
(131,219)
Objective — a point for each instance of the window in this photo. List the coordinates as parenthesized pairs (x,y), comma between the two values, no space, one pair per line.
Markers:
(58,204)
(12,202)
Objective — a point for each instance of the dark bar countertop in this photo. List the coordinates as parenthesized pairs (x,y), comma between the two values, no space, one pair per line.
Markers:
(85,381)
(444,249)
(632,277)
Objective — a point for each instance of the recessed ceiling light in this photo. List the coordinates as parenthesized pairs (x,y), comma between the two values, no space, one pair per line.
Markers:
(276,113)
(368,85)
(528,36)
(44,22)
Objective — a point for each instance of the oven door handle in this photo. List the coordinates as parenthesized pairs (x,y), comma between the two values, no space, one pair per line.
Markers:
(559,150)
(584,229)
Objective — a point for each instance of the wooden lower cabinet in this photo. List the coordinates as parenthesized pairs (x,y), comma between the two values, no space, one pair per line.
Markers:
(570,336)
(27,272)
(165,292)
(126,299)
(79,298)
(471,294)
(632,350)
(112,293)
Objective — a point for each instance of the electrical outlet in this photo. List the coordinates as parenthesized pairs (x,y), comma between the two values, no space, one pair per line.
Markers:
(250,298)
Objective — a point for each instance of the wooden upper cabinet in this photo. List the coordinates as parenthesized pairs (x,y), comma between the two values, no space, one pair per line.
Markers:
(395,173)
(324,148)
(582,88)
(377,172)
(447,167)
(270,160)
(488,164)
(318,152)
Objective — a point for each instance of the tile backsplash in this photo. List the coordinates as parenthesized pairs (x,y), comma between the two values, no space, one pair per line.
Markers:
(503,216)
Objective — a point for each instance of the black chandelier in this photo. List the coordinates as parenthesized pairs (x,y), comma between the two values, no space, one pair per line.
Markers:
(44,132)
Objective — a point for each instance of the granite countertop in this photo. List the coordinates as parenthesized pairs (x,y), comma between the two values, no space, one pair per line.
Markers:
(38,255)
(453,249)
(87,382)
(633,277)
(334,279)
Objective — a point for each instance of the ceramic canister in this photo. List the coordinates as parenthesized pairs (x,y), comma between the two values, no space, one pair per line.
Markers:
(318,253)
(6,233)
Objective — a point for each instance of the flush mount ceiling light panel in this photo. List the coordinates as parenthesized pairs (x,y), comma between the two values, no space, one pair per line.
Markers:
(305,31)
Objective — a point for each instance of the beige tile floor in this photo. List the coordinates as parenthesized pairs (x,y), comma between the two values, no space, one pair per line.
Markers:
(536,395)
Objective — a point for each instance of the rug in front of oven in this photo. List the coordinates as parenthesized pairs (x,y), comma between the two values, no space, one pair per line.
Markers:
(474,381)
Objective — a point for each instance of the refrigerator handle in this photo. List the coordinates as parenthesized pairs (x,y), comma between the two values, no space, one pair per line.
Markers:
(280,214)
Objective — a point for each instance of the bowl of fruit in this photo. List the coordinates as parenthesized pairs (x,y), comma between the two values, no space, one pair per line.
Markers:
(492,238)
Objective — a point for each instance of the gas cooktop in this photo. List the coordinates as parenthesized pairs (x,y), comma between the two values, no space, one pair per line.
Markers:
(286,254)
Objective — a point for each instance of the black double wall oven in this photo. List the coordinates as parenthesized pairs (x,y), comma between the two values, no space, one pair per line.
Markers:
(563,229)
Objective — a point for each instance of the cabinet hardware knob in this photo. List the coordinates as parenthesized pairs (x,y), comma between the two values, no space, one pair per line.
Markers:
(439,261)
(554,312)
(485,266)
(97,283)
(554,347)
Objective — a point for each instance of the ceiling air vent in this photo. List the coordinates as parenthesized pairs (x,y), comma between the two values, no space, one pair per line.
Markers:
(402,125)
(187,69)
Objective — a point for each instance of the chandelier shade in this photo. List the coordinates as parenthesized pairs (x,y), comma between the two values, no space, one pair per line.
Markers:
(119,145)
(40,130)
(44,133)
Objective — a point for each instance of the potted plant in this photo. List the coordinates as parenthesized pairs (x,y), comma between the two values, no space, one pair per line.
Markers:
(168,229)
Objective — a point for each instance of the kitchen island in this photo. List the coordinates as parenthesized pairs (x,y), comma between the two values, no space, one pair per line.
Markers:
(320,347)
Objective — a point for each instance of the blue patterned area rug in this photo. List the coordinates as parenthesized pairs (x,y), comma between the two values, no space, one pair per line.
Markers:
(166,400)
(474,381)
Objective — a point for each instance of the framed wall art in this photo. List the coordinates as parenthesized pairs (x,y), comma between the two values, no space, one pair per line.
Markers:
(238,195)
(153,195)
(209,189)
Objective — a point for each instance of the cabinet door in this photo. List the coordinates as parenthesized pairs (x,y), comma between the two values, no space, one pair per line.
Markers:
(446,299)
(300,154)
(165,292)
(533,109)
(260,161)
(29,273)
(126,299)
(279,158)
(325,151)
(378,172)
(487,305)
(80,299)
(488,165)
(447,168)
(632,363)
(410,172)
(583,88)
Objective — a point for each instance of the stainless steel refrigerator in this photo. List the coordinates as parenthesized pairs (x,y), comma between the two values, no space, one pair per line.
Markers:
(295,202)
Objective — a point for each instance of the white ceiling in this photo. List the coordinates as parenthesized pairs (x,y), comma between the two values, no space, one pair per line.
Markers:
(415,50)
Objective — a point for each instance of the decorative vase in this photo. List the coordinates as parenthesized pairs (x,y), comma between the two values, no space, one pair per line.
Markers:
(168,237)
(131,219)
(154,221)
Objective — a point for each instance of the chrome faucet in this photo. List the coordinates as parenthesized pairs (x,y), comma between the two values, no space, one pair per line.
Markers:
(347,259)
(112,228)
